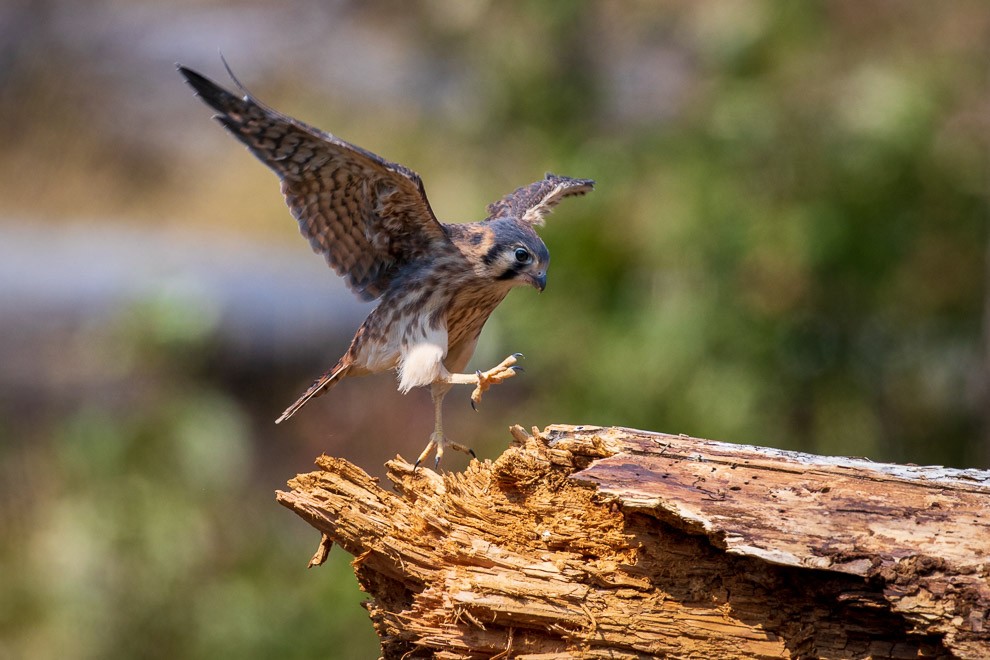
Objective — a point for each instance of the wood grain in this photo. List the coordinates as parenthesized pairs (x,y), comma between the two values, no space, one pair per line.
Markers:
(615,543)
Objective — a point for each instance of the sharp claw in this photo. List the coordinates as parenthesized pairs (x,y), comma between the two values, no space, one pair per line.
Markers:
(473,407)
(416,465)
(471,451)
(436,464)
(478,374)
(518,370)
(519,356)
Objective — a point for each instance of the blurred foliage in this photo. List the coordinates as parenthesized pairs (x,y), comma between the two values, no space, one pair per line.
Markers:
(137,532)
(787,246)
(797,260)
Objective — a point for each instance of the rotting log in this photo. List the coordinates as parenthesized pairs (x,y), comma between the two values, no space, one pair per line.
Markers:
(615,543)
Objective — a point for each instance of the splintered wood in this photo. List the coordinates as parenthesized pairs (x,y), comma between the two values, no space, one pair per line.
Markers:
(614,543)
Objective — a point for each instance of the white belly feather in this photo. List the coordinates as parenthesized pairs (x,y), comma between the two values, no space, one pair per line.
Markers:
(422,357)
(422,361)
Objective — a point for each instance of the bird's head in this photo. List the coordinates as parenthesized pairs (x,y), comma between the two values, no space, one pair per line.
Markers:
(516,255)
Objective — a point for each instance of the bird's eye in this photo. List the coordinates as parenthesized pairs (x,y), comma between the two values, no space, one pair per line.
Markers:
(522,256)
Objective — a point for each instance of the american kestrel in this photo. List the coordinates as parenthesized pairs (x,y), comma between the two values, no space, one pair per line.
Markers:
(437,283)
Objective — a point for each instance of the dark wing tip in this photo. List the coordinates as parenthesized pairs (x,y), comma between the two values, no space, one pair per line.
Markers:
(213,94)
(572,185)
(196,80)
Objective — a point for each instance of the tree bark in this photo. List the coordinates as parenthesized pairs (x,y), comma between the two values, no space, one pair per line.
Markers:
(614,543)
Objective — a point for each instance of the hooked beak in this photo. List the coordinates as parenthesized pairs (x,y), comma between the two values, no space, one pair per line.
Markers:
(539,280)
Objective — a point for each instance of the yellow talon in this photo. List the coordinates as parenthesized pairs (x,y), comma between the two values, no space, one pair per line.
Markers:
(503,371)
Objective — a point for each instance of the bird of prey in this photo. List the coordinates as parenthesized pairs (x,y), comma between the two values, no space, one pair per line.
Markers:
(436,283)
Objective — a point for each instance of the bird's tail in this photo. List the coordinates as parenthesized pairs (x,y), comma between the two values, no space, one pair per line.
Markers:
(319,386)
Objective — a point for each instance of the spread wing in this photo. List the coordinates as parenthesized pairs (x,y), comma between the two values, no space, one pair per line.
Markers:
(365,215)
(531,204)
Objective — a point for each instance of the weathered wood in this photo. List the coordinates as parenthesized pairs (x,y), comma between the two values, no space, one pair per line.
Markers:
(615,543)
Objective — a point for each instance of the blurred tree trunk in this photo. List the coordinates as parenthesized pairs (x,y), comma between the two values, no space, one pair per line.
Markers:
(615,543)
(985,381)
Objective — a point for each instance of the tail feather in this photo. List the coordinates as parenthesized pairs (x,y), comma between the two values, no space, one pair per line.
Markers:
(319,386)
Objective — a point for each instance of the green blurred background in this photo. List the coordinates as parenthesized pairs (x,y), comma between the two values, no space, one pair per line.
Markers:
(787,246)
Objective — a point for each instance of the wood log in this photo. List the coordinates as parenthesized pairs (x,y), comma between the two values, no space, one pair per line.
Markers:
(615,543)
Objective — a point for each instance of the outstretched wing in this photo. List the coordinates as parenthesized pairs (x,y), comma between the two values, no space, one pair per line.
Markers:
(531,204)
(367,216)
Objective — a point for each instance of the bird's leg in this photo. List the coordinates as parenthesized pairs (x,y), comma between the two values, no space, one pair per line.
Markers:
(482,380)
(437,439)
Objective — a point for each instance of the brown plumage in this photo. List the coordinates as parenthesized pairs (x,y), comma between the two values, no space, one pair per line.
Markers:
(436,283)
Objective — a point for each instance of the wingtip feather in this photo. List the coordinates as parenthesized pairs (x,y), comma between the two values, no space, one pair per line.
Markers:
(230,73)
(212,94)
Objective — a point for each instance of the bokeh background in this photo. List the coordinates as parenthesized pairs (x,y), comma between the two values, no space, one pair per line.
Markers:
(787,246)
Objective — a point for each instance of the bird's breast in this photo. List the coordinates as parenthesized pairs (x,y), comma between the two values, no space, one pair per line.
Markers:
(469,311)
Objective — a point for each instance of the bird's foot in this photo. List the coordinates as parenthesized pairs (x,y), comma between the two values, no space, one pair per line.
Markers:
(502,371)
(439,442)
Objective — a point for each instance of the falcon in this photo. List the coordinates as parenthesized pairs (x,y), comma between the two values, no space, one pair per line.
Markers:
(436,283)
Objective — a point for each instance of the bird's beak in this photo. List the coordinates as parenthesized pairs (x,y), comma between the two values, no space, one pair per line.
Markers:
(539,280)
